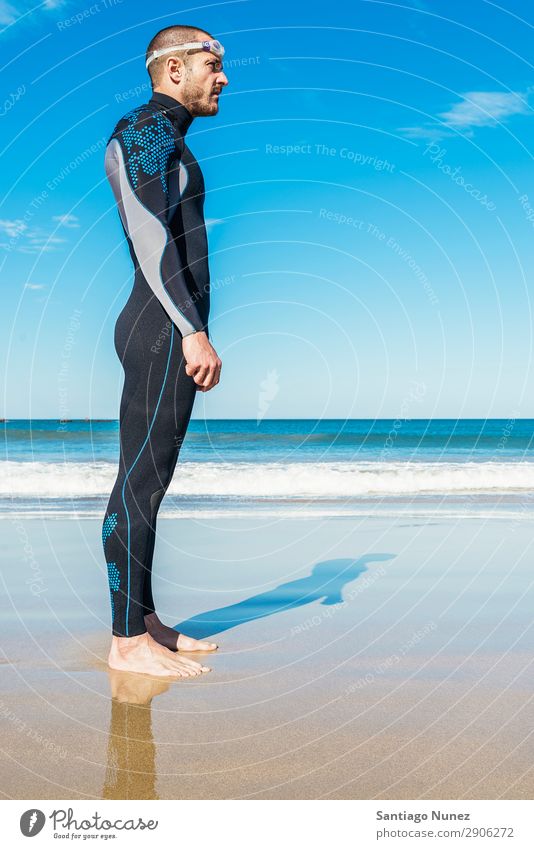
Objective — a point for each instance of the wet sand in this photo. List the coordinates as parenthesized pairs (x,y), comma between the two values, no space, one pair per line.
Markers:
(368,658)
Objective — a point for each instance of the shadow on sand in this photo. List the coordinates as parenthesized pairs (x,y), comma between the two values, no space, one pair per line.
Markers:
(325,584)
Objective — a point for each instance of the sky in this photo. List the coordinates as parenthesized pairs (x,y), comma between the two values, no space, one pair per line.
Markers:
(369,204)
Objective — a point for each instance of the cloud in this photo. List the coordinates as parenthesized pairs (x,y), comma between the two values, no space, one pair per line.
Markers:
(39,243)
(484,108)
(24,239)
(8,14)
(44,239)
(475,109)
(67,220)
(12,228)
(429,133)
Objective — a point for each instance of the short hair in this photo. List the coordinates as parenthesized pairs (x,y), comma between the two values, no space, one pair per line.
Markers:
(168,37)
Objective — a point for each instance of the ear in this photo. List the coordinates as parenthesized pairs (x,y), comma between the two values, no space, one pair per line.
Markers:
(175,68)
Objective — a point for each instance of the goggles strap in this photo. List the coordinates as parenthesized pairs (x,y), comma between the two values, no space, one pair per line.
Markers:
(216,46)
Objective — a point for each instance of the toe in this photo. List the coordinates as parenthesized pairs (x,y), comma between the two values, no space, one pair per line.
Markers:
(192,664)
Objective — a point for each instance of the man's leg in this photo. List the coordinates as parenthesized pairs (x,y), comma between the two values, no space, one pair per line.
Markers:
(155,503)
(146,454)
(184,397)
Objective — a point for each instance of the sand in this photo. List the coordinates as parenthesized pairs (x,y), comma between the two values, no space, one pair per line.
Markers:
(361,658)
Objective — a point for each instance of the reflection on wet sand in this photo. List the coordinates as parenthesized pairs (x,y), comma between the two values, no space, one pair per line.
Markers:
(131,755)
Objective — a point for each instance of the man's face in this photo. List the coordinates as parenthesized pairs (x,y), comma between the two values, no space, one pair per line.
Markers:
(203,81)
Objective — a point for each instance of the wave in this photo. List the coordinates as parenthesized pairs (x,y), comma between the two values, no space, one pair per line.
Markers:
(275,480)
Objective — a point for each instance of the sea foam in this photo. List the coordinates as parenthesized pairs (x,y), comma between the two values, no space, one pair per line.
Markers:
(276,480)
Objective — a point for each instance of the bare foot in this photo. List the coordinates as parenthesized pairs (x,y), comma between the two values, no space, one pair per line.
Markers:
(173,640)
(144,654)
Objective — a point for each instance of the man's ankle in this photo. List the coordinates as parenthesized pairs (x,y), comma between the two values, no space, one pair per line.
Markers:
(152,618)
(125,644)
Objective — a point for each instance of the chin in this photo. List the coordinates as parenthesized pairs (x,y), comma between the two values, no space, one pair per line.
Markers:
(207,110)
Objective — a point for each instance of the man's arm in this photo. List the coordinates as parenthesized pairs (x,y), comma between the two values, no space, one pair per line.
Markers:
(136,164)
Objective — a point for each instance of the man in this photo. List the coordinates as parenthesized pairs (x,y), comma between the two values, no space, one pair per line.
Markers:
(161,335)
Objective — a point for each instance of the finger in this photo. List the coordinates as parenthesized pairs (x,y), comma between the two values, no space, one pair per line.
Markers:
(208,380)
(200,375)
(215,380)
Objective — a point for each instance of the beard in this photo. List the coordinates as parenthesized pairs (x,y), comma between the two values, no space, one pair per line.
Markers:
(196,99)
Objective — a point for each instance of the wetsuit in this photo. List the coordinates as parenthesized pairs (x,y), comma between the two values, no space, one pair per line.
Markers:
(159,190)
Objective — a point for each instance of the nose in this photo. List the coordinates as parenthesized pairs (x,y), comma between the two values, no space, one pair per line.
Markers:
(222,78)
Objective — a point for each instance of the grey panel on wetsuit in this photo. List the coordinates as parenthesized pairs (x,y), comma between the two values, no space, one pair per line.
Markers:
(147,233)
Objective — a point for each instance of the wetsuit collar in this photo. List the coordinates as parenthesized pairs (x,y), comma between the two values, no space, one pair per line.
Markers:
(175,110)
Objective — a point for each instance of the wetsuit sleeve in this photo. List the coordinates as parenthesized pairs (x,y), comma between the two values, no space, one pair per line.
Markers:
(137,161)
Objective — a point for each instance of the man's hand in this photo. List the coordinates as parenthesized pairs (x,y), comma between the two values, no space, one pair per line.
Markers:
(202,362)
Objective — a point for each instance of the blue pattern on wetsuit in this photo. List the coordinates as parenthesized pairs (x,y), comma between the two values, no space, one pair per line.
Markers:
(149,144)
(108,527)
(114,583)
(110,523)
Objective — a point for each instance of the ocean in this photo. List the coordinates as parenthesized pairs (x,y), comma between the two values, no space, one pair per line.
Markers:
(304,467)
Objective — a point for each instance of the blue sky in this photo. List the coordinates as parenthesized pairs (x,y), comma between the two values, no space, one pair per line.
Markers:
(369,196)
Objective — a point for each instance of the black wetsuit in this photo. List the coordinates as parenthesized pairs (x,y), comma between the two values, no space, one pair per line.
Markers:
(159,189)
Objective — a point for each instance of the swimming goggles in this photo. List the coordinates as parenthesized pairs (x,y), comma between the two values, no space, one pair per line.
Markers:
(212,46)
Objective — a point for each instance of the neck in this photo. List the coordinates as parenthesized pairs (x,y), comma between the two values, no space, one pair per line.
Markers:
(173,108)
